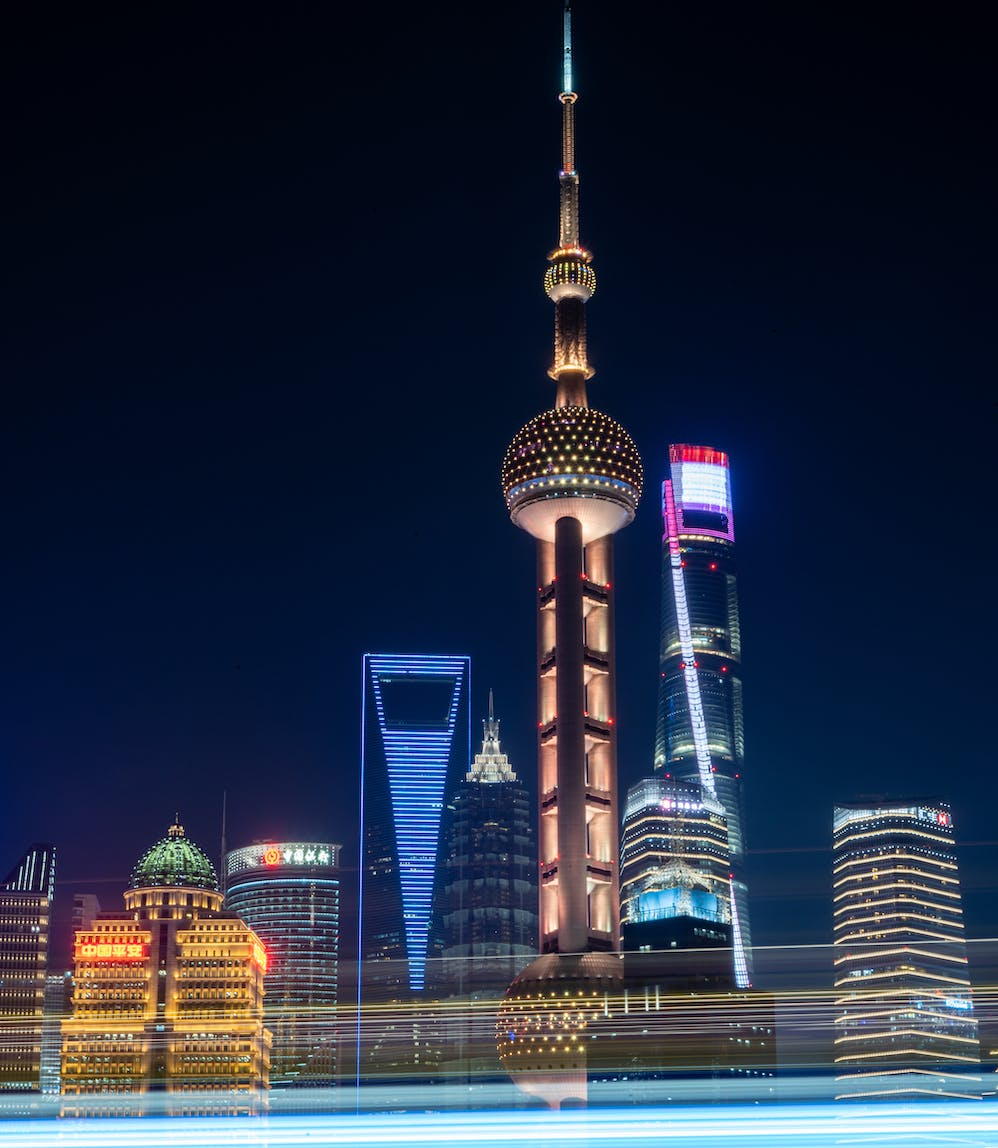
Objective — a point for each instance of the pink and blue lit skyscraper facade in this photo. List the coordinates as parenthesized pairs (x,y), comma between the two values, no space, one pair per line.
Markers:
(699,731)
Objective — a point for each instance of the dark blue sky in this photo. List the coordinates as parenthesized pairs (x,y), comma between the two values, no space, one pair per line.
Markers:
(274,308)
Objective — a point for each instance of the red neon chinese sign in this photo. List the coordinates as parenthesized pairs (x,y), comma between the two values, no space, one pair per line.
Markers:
(111,949)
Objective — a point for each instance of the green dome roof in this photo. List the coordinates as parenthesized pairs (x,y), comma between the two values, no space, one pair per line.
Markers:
(176,861)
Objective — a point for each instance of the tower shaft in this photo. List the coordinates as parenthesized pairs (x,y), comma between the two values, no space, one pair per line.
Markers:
(579,893)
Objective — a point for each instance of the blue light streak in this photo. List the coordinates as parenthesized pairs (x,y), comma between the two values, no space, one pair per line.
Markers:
(816,1125)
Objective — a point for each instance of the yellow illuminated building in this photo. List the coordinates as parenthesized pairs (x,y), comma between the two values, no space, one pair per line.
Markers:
(168,994)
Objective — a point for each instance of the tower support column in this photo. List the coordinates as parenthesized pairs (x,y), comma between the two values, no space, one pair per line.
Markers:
(573,908)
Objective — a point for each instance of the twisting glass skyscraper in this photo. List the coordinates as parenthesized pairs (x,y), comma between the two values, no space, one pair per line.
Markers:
(699,731)
(571,478)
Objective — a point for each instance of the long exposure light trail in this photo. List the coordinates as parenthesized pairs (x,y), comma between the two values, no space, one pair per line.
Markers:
(807,1126)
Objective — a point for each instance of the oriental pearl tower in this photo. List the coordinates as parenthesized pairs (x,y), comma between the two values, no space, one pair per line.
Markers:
(571,479)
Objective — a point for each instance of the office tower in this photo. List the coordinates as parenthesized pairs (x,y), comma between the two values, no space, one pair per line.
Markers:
(25,906)
(288,892)
(488,877)
(416,740)
(571,478)
(168,994)
(906,1026)
(56,1007)
(675,872)
(699,732)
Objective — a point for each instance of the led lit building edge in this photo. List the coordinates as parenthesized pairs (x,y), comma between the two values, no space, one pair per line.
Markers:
(417,758)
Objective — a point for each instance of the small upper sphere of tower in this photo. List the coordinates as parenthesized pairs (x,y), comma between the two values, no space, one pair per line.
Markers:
(174,861)
(572,462)
(570,274)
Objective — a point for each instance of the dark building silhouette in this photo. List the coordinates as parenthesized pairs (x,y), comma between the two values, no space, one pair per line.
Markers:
(487,892)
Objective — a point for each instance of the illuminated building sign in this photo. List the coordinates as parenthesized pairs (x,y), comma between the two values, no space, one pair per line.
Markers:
(107,948)
(933,815)
(278,854)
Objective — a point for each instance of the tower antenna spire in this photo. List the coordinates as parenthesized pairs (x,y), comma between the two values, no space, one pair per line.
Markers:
(570,279)
(566,85)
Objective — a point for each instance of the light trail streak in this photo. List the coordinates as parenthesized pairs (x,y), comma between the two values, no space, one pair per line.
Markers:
(891,1125)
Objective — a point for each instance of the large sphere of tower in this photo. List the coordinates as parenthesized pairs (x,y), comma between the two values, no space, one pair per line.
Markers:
(575,462)
(544,1027)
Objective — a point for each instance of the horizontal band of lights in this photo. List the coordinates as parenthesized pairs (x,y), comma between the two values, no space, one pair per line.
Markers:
(900,966)
(417,756)
(795,1125)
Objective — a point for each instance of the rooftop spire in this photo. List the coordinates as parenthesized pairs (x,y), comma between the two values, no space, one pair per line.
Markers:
(570,280)
(491,764)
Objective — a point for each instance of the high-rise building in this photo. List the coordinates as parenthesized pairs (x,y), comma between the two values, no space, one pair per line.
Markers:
(168,994)
(699,730)
(487,902)
(416,741)
(55,1009)
(906,1026)
(25,909)
(288,892)
(571,478)
(675,871)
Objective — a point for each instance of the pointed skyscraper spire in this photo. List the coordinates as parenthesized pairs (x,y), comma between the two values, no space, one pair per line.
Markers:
(491,765)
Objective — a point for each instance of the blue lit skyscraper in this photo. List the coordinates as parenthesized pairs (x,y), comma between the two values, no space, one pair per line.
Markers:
(416,743)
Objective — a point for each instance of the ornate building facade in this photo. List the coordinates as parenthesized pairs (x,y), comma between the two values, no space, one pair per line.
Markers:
(168,994)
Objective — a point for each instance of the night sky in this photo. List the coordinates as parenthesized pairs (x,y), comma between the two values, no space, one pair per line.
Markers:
(273,310)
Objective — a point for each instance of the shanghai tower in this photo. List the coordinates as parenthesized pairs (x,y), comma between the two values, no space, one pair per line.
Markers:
(699,729)
(571,478)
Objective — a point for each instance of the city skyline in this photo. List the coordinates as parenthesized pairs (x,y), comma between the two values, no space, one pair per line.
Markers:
(130,669)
